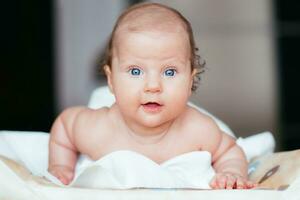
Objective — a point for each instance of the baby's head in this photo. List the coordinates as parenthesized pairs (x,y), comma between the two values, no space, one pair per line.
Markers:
(154,17)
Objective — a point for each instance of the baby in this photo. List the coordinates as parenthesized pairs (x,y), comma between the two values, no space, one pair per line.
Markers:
(150,66)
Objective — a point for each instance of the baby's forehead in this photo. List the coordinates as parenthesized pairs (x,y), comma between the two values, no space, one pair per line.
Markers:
(151,18)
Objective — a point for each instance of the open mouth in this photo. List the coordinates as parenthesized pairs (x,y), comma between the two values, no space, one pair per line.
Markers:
(152,107)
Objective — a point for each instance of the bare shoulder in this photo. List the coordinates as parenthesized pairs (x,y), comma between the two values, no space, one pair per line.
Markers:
(203,128)
(76,117)
(90,128)
(198,120)
(90,117)
(70,114)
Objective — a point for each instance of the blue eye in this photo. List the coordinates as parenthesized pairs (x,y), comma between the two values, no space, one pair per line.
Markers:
(135,72)
(170,72)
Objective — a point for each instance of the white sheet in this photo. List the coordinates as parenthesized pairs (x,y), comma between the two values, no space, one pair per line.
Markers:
(128,169)
(13,187)
(124,169)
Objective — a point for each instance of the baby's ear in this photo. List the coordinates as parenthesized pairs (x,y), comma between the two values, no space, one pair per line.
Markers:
(108,73)
(194,73)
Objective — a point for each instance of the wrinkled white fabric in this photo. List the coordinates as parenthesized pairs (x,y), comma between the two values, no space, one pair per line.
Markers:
(127,169)
(118,170)
(257,145)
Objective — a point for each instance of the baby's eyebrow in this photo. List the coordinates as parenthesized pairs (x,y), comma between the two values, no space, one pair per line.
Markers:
(163,63)
(131,61)
(175,61)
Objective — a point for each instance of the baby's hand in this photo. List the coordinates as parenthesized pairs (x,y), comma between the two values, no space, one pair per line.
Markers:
(64,173)
(230,181)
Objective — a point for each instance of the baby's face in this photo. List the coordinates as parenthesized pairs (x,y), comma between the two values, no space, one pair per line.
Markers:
(151,76)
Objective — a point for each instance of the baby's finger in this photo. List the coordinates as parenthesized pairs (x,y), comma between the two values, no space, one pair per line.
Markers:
(231,180)
(64,180)
(250,184)
(221,181)
(240,183)
(63,177)
(213,183)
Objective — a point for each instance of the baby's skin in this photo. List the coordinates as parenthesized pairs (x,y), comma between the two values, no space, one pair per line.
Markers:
(99,132)
(151,78)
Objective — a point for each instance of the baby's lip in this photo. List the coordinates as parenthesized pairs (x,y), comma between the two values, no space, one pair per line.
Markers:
(152,103)
(152,107)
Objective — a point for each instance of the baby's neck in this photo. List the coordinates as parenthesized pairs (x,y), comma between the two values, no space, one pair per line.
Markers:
(142,134)
(149,135)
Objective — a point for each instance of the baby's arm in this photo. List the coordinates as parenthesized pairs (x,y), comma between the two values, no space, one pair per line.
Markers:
(62,151)
(231,165)
(228,159)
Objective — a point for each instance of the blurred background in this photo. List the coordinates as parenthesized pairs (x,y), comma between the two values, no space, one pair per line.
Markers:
(51,49)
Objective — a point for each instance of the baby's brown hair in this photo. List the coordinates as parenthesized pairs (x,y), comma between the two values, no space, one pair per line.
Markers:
(194,58)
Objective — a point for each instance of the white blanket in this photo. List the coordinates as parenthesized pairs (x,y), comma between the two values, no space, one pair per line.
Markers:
(128,169)
(13,187)
(124,169)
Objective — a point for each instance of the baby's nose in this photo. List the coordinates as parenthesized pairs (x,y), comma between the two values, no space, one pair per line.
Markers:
(153,84)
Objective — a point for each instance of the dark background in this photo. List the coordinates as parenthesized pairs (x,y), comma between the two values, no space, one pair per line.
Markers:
(27,100)
(26,73)
(288,45)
